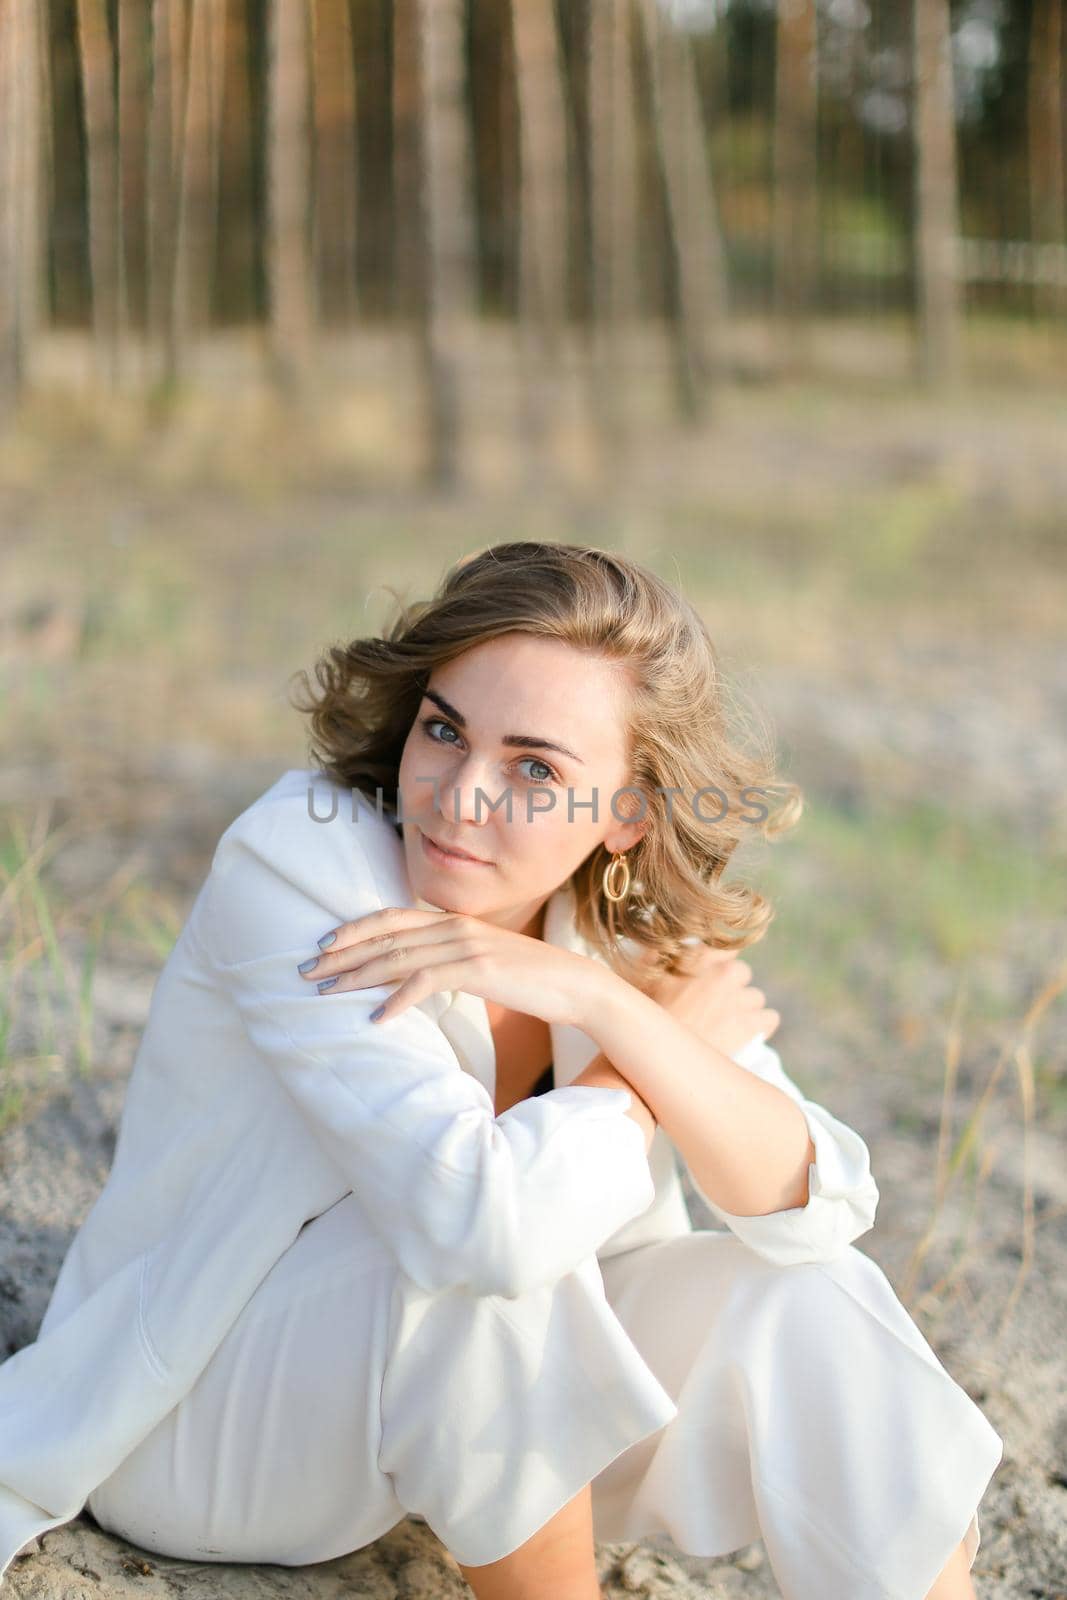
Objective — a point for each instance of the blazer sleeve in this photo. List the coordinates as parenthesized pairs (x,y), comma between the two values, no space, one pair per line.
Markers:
(842,1194)
(497,1205)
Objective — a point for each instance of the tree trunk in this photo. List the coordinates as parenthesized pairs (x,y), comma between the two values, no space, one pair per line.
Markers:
(698,249)
(336,175)
(20,189)
(448,292)
(164,166)
(134,88)
(613,211)
(236,253)
(542,208)
(198,180)
(1045,110)
(936,202)
(408,221)
(795,192)
(98,98)
(289,265)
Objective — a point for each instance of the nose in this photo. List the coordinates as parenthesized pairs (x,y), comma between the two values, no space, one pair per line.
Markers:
(468,792)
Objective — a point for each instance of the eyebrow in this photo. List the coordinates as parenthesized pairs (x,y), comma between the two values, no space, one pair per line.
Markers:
(526,741)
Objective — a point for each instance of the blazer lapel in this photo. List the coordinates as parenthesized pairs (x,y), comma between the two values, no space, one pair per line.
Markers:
(572,1049)
(464,1019)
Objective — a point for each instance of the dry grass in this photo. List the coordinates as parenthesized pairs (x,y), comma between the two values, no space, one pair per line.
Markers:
(972,1150)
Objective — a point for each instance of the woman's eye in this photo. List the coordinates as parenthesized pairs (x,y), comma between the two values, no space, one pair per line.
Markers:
(439,722)
(538,763)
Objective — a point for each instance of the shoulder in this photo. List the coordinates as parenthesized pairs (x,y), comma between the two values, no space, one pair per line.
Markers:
(305,848)
(306,811)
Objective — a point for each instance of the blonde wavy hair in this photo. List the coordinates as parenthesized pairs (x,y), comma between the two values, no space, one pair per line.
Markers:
(678,735)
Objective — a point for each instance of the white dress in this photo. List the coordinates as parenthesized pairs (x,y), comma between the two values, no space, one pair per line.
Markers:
(438,1338)
(811,1414)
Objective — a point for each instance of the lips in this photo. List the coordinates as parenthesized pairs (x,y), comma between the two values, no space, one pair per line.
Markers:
(453,850)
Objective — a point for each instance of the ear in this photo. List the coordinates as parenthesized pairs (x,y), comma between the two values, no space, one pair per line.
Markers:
(624,835)
(634,803)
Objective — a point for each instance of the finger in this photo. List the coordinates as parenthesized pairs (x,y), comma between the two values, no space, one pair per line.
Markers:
(711,956)
(399,966)
(365,972)
(411,992)
(694,960)
(353,953)
(386,919)
(360,972)
(400,959)
(346,958)
(759,1026)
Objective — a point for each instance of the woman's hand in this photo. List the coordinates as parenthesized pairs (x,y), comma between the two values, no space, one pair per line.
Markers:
(429,951)
(717,999)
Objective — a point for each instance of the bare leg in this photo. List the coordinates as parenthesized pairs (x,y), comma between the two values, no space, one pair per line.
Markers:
(954,1582)
(555,1563)
(558,1562)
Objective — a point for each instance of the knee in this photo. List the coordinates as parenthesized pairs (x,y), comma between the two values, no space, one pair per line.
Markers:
(806,1294)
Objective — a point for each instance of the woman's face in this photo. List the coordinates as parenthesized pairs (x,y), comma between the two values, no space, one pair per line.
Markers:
(531,723)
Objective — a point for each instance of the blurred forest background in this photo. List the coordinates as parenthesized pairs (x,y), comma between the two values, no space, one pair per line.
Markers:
(303,300)
(451,183)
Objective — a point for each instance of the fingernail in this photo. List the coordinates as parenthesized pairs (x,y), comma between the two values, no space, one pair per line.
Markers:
(376,1013)
(327,983)
(326,939)
(306,966)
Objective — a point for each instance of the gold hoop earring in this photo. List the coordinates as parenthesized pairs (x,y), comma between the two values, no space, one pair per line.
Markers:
(617,861)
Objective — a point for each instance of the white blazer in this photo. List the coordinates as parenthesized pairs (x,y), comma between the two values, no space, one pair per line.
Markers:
(255,1103)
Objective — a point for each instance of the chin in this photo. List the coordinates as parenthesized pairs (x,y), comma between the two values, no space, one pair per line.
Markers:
(450,897)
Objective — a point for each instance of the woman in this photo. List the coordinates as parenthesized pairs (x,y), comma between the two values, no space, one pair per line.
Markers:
(366,1283)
